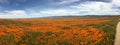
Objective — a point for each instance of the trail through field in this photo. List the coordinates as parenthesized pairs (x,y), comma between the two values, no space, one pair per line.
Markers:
(117,39)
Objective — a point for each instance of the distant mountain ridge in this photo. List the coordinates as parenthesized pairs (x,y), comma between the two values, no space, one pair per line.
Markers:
(92,16)
(71,16)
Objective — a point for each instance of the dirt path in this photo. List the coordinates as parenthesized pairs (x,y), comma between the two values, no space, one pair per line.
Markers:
(117,40)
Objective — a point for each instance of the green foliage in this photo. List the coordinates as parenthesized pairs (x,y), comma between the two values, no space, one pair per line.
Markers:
(110,34)
(48,33)
(66,42)
(65,28)
(79,25)
(108,29)
(8,23)
(31,38)
(7,40)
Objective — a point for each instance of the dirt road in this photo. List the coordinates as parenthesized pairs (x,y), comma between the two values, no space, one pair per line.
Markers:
(117,40)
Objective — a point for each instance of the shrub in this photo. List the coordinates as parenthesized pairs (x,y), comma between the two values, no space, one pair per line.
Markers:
(48,33)
(66,42)
(65,28)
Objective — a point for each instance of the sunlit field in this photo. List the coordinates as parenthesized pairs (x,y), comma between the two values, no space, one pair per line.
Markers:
(59,31)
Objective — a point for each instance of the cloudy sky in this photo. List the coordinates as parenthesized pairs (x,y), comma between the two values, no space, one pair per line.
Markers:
(43,8)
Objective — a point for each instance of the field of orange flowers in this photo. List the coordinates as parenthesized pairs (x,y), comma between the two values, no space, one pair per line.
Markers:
(58,31)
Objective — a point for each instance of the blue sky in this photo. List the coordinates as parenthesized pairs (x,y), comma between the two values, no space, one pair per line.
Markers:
(45,8)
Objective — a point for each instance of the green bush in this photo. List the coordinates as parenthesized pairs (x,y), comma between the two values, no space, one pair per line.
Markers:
(48,33)
(66,42)
(65,28)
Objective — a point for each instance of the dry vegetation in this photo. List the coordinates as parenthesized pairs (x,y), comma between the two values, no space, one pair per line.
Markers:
(58,31)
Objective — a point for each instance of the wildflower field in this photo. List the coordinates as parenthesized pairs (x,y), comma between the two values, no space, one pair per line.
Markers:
(59,31)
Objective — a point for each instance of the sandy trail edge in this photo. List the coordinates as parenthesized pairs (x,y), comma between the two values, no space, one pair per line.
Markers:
(117,39)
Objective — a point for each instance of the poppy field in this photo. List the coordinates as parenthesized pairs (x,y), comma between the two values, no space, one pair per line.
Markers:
(59,31)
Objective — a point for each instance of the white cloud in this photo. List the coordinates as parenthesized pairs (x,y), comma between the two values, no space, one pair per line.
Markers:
(58,12)
(67,1)
(97,8)
(13,14)
(86,8)
(16,12)
(116,2)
